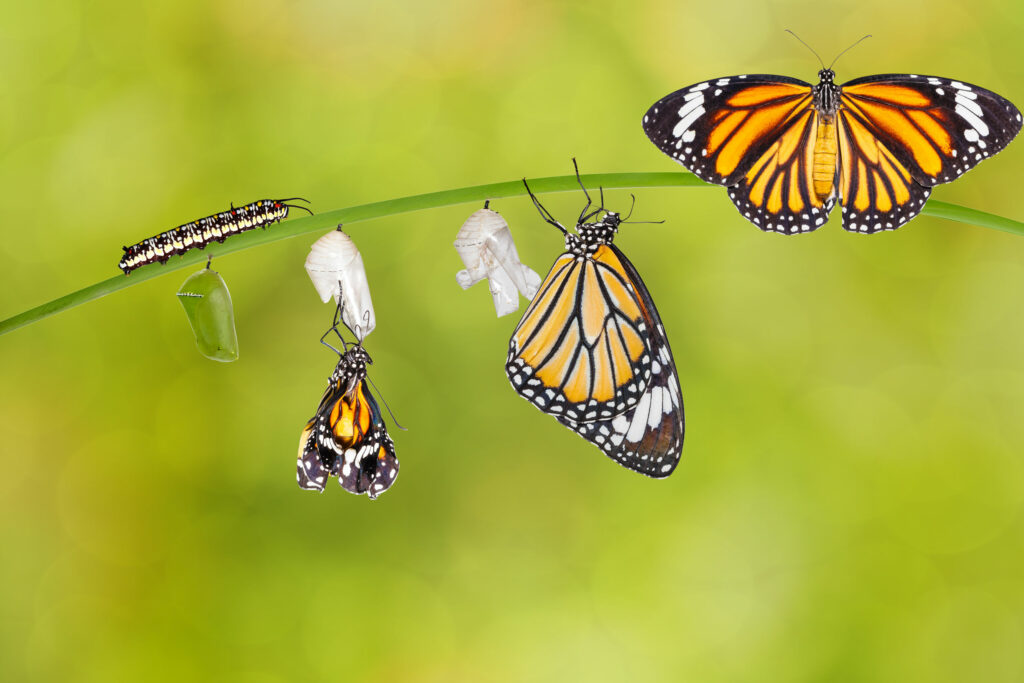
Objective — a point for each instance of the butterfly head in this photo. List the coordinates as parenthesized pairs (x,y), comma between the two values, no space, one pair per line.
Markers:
(826,76)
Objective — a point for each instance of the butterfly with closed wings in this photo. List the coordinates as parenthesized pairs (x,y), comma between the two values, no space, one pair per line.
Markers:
(347,437)
(788,151)
(591,349)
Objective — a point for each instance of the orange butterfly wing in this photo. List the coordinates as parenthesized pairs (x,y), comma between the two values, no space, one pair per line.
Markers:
(900,135)
(755,134)
(581,349)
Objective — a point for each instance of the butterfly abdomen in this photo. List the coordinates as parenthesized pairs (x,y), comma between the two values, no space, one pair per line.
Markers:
(826,147)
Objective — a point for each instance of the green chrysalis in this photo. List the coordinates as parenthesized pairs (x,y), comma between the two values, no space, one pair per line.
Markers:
(207,303)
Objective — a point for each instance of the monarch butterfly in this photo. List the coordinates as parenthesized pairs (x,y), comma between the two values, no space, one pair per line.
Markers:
(788,150)
(591,350)
(347,438)
(199,233)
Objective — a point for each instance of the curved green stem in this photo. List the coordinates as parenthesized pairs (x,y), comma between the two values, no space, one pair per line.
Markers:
(432,200)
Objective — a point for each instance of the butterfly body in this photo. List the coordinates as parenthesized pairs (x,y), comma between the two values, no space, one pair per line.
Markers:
(347,438)
(591,351)
(788,151)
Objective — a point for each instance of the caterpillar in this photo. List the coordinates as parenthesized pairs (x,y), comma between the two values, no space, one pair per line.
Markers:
(201,232)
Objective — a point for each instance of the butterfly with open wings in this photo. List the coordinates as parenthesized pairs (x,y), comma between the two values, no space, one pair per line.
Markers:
(591,350)
(788,151)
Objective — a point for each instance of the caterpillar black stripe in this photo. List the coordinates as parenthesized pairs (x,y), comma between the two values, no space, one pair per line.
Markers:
(199,233)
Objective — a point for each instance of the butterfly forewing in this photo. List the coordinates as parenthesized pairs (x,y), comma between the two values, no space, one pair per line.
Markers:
(719,128)
(938,128)
(312,474)
(648,437)
(582,349)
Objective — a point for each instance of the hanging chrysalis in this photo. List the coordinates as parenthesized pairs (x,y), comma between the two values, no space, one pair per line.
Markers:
(485,245)
(336,269)
(207,303)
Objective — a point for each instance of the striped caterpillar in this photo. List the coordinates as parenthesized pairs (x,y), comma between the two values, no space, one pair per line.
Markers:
(199,233)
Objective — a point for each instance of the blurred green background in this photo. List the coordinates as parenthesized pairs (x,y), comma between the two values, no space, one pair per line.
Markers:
(849,502)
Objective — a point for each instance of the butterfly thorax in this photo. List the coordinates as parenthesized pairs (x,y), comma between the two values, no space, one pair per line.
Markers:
(590,236)
(351,369)
(826,94)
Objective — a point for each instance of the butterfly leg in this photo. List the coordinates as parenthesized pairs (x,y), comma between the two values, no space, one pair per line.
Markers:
(583,214)
(544,213)
(334,324)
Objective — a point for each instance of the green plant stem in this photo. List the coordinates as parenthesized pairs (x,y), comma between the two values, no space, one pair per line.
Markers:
(432,200)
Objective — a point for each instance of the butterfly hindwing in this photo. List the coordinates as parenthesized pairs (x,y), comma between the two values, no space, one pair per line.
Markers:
(878,190)
(778,192)
(311,473)
(647,437)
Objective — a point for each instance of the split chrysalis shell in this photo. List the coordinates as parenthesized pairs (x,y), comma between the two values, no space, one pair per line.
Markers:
(486,247)
(336,269)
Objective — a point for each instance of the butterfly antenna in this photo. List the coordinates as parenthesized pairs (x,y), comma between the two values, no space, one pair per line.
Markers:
(294,199)
(848,49)
(808,47)
(632,206)
(544,213)
(381,397)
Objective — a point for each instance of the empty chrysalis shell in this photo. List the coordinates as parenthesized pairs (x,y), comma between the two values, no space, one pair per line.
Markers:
(485,244)
(207,303)
(336,269)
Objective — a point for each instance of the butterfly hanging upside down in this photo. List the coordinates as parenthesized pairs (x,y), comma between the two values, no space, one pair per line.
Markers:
(788,150)
(347,438)
(591,350)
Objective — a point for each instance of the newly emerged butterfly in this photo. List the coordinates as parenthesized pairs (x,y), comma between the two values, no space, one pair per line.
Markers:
(591,350)
(199,233)
(788,150)
(347,438)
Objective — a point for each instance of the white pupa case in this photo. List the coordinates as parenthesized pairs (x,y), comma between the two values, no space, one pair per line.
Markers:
(336,269)
(485,245)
